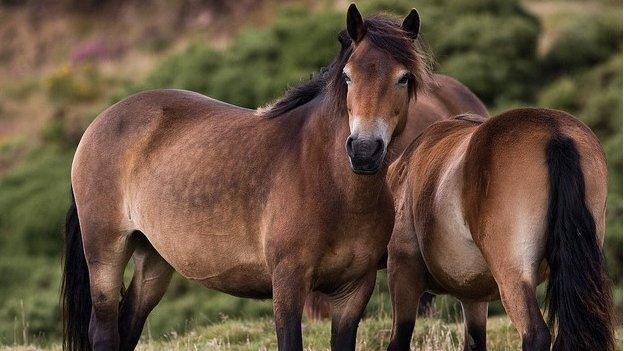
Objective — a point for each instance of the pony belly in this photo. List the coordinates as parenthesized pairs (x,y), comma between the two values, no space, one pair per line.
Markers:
(461,271)
(229,263)
(244,280)
(242,273)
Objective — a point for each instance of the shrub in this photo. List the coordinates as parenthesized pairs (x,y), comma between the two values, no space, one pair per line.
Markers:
(593,95)
(492,50)
(29,292)
(73,85)
(259,64)
(35,196)
(494,56)
(585,41)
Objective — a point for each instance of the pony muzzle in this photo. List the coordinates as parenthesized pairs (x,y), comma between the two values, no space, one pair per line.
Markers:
(366,155)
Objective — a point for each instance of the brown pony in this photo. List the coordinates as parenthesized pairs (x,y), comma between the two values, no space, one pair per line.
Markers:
(252,203)
(489,209)
(443,99)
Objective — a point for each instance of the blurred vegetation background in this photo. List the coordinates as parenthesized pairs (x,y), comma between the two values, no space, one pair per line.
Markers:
(63,62)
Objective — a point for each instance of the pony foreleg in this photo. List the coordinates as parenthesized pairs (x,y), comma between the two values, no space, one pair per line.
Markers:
(475,321)
(290,288)
(347,310)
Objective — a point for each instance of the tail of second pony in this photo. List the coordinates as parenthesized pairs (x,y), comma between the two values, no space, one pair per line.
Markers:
(580,307)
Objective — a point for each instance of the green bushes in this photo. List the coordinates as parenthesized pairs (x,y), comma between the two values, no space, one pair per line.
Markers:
(488,45)
(494,56)
(29,292)
(585,41)
(259,64)
(35,196)
(67,85)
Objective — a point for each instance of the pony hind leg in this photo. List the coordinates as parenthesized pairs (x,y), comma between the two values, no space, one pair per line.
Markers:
(510,231)
(107,257)
(521,304)
(475,322)
(151,278)
(517,275)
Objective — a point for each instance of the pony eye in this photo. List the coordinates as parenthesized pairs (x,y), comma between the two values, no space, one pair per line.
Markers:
(346,78)
(405,79)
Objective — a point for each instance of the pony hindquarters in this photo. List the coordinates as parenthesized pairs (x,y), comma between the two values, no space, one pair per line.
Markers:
(149,283)
(537,202)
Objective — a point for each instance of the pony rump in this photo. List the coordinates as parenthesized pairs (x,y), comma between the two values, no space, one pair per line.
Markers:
(579,300)
(385,33)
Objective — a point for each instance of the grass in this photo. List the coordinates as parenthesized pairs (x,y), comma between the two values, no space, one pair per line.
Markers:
(430,334)
(373,334)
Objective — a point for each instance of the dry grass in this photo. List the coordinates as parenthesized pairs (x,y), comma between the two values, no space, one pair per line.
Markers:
(258,334)
(430,334)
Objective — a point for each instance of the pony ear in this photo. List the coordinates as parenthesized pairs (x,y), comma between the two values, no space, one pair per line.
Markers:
(344,39)
(411,24)
(355,24)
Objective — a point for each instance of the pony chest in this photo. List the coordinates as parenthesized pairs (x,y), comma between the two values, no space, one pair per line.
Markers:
(340,265)
(352,257)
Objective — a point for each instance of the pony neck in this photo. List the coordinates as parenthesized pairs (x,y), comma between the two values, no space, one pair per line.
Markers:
(329,130)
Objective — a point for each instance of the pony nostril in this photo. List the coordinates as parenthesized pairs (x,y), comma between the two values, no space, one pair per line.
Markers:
(350,140)
(378,148)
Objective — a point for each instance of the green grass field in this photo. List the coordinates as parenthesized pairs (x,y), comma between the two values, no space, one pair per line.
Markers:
(374,334)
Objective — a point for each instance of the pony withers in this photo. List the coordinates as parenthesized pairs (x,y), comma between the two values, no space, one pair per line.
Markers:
(489,209)
(272,203)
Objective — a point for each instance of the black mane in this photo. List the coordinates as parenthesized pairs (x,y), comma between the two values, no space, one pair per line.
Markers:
(384,33)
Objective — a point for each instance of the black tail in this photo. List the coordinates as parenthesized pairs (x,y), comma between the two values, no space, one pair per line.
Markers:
(75,293)
(579,299)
